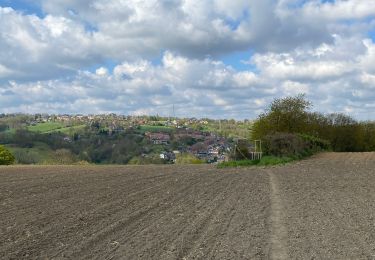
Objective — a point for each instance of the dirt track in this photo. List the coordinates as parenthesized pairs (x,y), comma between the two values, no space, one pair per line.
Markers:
(321,208)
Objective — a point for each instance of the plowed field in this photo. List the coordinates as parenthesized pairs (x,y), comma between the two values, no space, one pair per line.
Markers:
(320,208)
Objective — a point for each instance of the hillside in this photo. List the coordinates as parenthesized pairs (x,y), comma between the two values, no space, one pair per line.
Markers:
(116,139)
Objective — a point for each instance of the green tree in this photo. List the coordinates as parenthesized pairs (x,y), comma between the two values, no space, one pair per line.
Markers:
(286,115)
(3,127)
(6,157)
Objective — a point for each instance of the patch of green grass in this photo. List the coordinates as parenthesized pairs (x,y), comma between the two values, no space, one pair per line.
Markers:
(53,127)
(265,161)
(154,129)
(45,127)
(68,130)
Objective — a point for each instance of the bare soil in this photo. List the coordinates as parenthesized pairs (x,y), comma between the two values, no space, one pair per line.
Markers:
(320,208)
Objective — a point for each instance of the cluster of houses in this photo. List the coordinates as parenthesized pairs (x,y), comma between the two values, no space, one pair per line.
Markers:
(158,138)
(207,146)
(114,121)
(203,145)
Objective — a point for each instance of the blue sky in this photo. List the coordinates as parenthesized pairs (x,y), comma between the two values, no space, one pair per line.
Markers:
(219,59)
(25,6)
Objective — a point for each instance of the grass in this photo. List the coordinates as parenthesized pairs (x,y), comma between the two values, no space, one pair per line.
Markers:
(154,129)
(265,161)
(68,130)
(52,127)
(45,127)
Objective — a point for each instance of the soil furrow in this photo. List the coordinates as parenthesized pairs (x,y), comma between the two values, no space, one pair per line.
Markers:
(319,208)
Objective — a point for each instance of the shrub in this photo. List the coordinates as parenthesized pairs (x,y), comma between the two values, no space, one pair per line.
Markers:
(26,157)
(294,145)
(64,157)
(6,157)
(139,160)
(187,159)
(315,144)
(284,145)
(3,127)
(287,115)
(82,163)
(241,151)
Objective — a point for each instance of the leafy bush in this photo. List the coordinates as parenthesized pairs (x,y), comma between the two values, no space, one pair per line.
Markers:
(64,157)
(241,151)
(315,144)
(82,163)
(139,160)
(293,145)
(187,159)
(284,144)
(26,157)
(3,127)
(287,115)
(6,157)
(293,115)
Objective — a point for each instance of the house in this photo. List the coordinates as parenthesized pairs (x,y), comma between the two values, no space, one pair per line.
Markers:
(158,138)
(188,133)
(168,156)
(214,151)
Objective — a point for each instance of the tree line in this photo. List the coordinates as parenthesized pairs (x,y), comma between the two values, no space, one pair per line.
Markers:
(291,120)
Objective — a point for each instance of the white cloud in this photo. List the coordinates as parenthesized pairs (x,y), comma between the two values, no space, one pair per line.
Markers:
(102,72)
(291,88)
(5,72)
(78,34)
(317,47)
(340,9)
(367,60)
(36,48)
(217,90)
(193,27)
(140,86)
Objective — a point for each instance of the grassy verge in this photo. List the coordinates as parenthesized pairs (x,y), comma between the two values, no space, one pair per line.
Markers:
(265,161)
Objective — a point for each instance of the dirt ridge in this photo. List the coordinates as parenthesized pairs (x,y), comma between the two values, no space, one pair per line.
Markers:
(279,234)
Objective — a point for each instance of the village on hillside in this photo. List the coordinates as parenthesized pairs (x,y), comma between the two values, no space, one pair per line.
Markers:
(158,139)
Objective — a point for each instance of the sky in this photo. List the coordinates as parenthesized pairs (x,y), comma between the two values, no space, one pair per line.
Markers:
(211,58)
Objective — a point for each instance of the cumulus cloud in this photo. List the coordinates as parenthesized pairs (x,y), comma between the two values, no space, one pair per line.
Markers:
(169,52)
(199,87)
(128,29)
(340,9)
(78,34)
(141,86)
(40,48)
